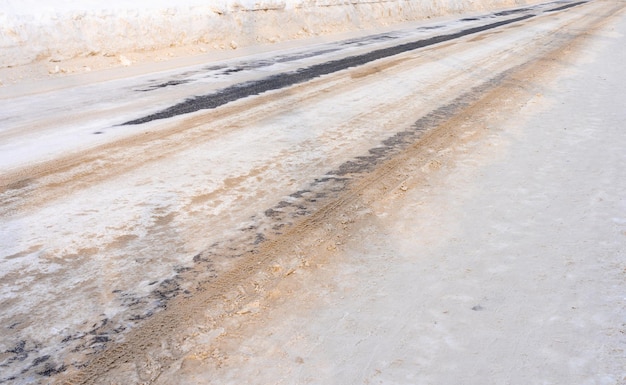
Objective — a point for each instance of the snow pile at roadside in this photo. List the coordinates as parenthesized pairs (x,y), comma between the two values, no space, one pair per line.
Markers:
(34,30)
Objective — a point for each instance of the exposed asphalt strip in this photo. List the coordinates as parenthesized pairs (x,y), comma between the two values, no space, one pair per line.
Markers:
(283,80)
(566,6)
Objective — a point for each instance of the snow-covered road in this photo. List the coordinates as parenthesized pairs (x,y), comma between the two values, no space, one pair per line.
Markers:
(505,264)
(104,224)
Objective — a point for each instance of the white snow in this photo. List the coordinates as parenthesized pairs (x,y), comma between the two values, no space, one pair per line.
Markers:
(38,30)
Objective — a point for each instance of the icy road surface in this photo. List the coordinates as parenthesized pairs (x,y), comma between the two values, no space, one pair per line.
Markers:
(112,209)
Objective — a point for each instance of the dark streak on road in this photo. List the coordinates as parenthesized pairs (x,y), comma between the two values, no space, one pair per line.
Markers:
(275,82)
(566,6)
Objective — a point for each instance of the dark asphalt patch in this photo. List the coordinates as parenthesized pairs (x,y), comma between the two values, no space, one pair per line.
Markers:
(566,6)
(275,82)
(220,71)
(511,12)
(170,83)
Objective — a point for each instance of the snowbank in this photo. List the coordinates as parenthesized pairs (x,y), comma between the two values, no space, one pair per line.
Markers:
(32,30)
